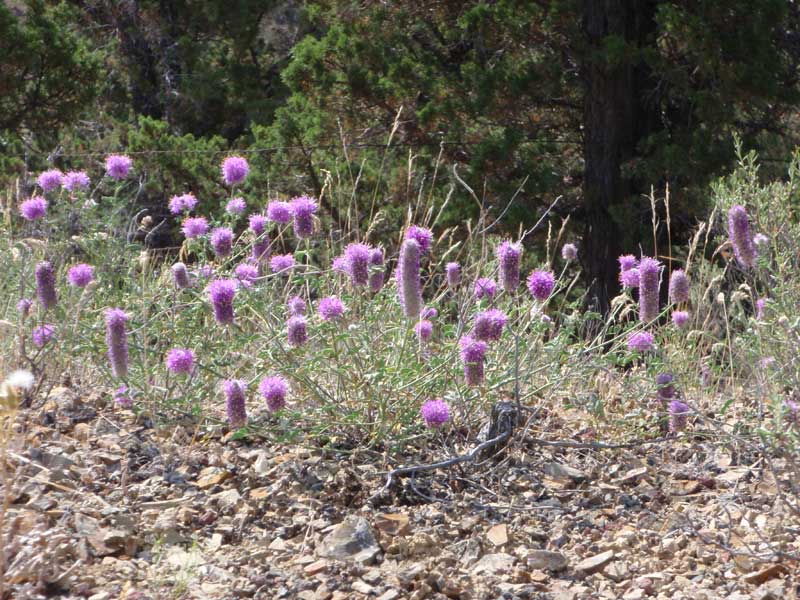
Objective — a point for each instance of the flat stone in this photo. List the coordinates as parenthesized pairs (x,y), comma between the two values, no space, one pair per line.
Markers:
(764,575)
(547,560)
(492,564)
(564,472)
(352,539)
(595,563)
(362,587)
(315,567)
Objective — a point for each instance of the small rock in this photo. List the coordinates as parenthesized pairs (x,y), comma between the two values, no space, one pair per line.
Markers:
(315,567)
(765,575)
(227,499)
(564,472)
(362,587)
(498,534)
(211,476)
(546,560)
(389,595)
(392,523)
(492,564)
(351,539)
(594,563)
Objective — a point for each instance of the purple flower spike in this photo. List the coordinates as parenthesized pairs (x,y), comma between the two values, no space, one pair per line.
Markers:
(296,305)
(665,384)
(303,211)
(222,241)
(24,307)
(282,263)
(118,166)
(569,252)
(358,257)
(429,313)
(236,206)
(234,170)
(629,278)
(46,285)
(541,284)
(508,256)
(182,203)
(117,341)
(485,288)
(235,401)
(180,360)
(422,235)
(279,212)
(741,236)
(761,303)
(221,292)
(296,331)
(473,353)
(678,287)
(376,270)
(409,286)
(330,308)
(423,330)
(680,318)
(49,180)
(247,274)
(649,282)
(81,275)
(75,180)
(435,413)
(489,325)
(181,276)
(678,415)
(641,341)
(261,252)
(33,208)
(453,271)
(274,389)
(627,262)
(43,334)
(258,224)
(195,227)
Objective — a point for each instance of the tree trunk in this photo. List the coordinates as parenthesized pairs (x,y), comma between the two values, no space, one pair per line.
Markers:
(616,119)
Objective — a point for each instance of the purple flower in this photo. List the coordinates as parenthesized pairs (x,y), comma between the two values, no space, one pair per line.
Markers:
(435,413)
(680,318)
(246,274)
(49,180)
(627,262)
(43,334)
(236,206)
(75,180)
(24,307)
(409,286)
(422,235)
(629,278)
(678,287)
(760,304)
(760,239)
(453,271)
(33,208)
(489,325)
(376,270)
(261,252)
(194,227)
(569,252)
(258,224)
(117,341)
(641,341)
(296,332)
(234,170)
(678,415)
(303,210)
(182,203)
(181,276)
(330,308)
(339,264)
(485,288)
(357,257)
(118,166)
(222,241)
(279,212)
(122,397)
(221,292)
(180,360)
(296,305)
(46,285)
(741,236)
(274,389)
(665,386)
(793,411)
(423,330)
(508,255)
(429,313)
(649,282)
(205,271)
(235,400)
(541,284)
(282,263)
(473,353)
(81,275)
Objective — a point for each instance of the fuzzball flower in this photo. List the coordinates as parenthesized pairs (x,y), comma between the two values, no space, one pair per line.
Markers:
(81,275)
(117,341)
(303,210)
(489,325)
(680,318)
(678,415)
(195,227)
(261,252)
(246,274)
(569,252)
(649,282)
(75,180)
(339,264)
(376,270)
(760,304)
(435,413)
(180,360)
(296,331)
(627,262)
(641,341)
(629,278)
(24,307)
(33,208)
(236,206)
(423,330)
(118,166)
(222,241)
(485,288)
(422,235)
(665,386)
(508,255)
(296,305)
(409,286)
(473,353)
(279,212)
(429,313)
(678,287)
(46,285)
(234,170)
(453,271)
(181,276)
(258,224)
(541,284)
(221,292)
(741,236)
(43,334)
(357,257)
(49,180)
(182,203)
(235,400)
(282,263)
(330,308)
(274,389)
(122,397)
